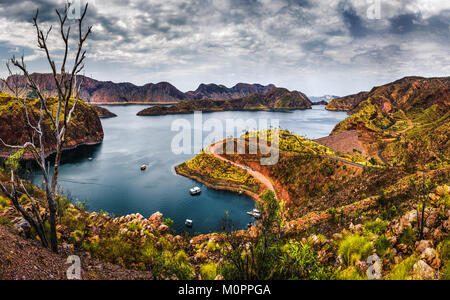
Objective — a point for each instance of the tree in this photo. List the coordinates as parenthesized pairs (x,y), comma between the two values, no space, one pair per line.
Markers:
(68,95)
(257,257)
(420,190)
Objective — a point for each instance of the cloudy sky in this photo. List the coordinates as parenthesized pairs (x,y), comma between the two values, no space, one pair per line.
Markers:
(316,46)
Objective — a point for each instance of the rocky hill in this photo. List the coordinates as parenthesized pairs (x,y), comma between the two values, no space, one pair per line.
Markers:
(275,99)
(347,103)
(404,120)
(86,127)
(107,92)
(221,92)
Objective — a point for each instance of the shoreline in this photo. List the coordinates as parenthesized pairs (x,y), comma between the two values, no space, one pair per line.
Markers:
(252,195)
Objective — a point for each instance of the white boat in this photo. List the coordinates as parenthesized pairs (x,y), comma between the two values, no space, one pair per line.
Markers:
(189,223)
(255,213)
(143,167)
(195,191)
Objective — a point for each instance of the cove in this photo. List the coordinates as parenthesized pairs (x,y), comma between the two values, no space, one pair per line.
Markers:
(108,176)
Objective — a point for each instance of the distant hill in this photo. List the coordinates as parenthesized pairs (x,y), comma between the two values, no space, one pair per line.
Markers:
(325,98)
(107,92)
(275,99)
(221,92)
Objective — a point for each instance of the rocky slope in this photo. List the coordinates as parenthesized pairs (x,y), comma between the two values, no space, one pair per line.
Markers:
(25,259)
(347,103)
(275,99)
(405,120)
(86,127)
(106,92)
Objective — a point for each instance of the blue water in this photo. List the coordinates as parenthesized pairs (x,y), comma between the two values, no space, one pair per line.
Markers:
(109,178)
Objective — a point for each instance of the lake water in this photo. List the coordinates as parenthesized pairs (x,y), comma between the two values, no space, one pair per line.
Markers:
(109,178)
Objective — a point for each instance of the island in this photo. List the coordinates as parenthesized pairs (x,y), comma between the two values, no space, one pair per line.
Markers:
(277,99)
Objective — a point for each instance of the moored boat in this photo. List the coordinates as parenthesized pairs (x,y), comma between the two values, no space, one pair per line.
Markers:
(195,191)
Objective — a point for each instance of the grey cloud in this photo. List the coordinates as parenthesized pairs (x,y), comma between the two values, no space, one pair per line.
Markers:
(235,39)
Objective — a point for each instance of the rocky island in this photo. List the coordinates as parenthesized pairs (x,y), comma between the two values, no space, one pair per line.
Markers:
(103,113)
(273,100)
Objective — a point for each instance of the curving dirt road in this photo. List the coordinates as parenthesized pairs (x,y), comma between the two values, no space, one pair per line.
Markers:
(257,175)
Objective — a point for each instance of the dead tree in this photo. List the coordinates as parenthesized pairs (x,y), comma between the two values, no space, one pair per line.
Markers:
(68,90)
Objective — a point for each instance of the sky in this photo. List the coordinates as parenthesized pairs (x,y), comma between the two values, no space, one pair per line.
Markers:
(319,47)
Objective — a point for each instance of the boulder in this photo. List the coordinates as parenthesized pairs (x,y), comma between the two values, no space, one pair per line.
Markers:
(402,248)
(431,257)
(156,219)
(424,244)
(422,271)
(446,226)
(432,218)
(163,228)
(23,227)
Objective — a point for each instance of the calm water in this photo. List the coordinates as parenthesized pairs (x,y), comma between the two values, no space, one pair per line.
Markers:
(109,178)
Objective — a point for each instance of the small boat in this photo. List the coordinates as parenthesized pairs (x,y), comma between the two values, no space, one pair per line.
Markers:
(90,159)
(143,167)
(195,191)
(189,223)
(255,213)
(241,193)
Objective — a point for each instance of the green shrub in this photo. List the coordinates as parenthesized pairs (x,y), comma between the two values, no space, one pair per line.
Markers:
(133,227)
(444,253)
(115,249)
(444,249)
(76,237)
(377,227)
(350,274)
(169,223)
(382,245)
(408,237)
(208,271)
(5,222)
(354,248)
(334,214)
(3,203)
(212,246)
(403,270)
(299,262)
